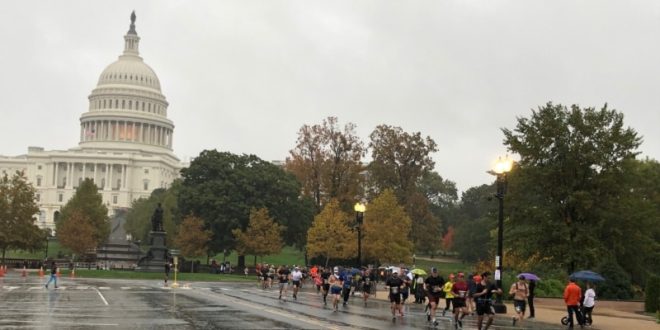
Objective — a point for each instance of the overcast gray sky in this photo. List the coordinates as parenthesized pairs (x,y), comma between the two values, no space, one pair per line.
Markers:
(244,76)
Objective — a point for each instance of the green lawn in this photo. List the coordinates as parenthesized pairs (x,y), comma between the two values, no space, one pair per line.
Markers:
(288,256)
(127,274)
(54,249)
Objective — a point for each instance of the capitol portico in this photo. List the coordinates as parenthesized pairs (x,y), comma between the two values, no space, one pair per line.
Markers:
(125,142)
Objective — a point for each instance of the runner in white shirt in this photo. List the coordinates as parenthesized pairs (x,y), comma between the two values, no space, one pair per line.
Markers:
(296,278)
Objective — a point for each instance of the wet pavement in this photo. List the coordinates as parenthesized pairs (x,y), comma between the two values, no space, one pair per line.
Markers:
(146,304)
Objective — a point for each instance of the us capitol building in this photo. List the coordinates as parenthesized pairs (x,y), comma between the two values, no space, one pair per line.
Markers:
(125,142)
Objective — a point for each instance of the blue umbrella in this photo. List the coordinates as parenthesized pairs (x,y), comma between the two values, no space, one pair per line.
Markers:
(529,276)
(587,275)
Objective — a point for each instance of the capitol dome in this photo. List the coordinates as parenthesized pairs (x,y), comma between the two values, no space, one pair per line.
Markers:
(127,109)
(130,70)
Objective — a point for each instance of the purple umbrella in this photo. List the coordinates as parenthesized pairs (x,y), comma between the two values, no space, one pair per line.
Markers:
(529,276)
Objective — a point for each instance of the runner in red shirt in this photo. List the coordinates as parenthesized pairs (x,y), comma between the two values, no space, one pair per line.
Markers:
(460,292)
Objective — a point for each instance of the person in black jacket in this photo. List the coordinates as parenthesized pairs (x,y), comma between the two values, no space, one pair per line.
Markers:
(530,298)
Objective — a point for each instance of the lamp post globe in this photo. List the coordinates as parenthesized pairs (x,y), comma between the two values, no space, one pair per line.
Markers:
(359,218)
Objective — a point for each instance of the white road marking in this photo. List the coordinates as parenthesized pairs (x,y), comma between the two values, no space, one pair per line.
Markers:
(104,288)
(81,287)
(36,288)
(272,310)
(126,288)
(102,297)
(9,288)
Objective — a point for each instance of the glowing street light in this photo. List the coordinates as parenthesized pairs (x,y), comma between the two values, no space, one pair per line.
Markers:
(359,218)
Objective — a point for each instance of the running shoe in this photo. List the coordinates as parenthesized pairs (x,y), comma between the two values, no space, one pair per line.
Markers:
(514,321)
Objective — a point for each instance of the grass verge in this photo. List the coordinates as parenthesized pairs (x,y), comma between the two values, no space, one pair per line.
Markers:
(133,275)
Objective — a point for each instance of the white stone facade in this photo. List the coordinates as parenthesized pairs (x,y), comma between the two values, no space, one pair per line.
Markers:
(125,142)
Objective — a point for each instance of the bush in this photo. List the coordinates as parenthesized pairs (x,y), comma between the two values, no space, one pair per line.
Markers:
(549,288)
(617,283)
(652,300)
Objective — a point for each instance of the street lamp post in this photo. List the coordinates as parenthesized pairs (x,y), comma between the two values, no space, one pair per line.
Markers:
(359,217)
(502,167)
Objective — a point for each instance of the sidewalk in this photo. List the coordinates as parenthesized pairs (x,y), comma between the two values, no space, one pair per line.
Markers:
(608,315)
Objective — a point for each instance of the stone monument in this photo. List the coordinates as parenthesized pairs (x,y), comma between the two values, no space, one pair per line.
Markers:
(157,256)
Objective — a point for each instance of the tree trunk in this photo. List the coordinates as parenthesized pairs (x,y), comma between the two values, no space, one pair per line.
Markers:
(4,249)
(241,262)
(192,266)
(255,261)
(327,259)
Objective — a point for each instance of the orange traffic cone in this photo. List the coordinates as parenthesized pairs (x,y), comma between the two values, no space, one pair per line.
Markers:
(41,271)
(73,273)
(24,272)
(58,272)
(2,271)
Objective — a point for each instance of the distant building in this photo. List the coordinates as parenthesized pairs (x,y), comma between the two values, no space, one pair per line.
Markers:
(125,142)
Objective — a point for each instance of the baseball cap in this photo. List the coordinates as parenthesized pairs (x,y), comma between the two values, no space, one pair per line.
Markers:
(434,270)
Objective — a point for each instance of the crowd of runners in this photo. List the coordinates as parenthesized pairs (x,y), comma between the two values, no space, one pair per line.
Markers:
(462,294)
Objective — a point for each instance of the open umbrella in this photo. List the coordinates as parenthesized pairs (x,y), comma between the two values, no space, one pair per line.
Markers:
(394,269)
(418,271)
(587,275)
(529,276)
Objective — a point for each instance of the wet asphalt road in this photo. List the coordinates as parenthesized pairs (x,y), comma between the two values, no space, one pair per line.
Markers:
(126,304)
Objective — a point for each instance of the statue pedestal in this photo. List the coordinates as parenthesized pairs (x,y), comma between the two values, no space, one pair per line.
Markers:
(157,256)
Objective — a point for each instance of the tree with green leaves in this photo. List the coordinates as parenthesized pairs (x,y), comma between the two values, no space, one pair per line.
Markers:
(192,238)
(476,219)
(222,188)
(17,215)
(567,181)
(138,219)
(387,229)
(89,203)
(442,196)
(400,160)
(330,235)
(77,234)
(263,236)
(327,161)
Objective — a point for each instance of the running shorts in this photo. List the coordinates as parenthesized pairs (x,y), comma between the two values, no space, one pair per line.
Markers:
(296,284)
(434,298)
(485,307)
(519,305)
(395,298)
(336,290)
(458,303)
